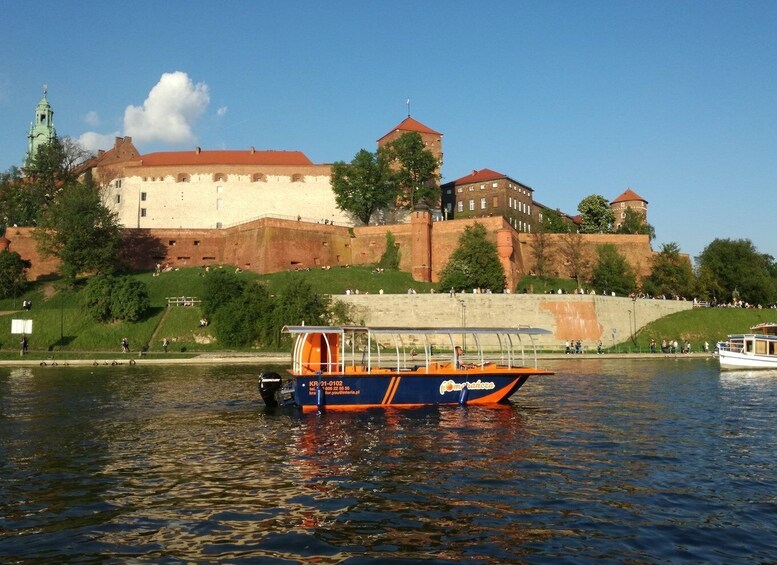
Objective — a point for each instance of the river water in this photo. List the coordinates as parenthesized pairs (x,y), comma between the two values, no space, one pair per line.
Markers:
(608,460)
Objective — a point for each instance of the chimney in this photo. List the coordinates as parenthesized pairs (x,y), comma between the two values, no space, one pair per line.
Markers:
(253,150)
(198,151)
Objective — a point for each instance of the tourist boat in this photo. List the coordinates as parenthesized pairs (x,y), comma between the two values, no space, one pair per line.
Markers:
(755,350)
(357,367)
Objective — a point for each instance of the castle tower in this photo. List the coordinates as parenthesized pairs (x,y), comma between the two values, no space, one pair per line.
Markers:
(421,245)
(42,129)
(629,199)
(432,139)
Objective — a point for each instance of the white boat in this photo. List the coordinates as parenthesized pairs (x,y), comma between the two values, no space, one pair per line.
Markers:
(755,350)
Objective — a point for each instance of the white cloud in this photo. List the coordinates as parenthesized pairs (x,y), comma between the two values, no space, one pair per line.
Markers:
(221,111)
(169,112)
(92,141)
(92,118)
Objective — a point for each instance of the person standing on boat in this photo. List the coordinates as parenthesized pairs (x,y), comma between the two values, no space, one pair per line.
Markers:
(457,354)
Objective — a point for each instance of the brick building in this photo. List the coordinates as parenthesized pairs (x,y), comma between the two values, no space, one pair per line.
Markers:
(629,199)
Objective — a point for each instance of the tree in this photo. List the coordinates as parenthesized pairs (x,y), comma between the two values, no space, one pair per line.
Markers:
(296,304)
(364,186)
(244,318)
(415,174)
(108,298)
(12,273)
(80,231)
(597,216)
(671,274)
(553,221)
(737,266)
(634,223)
(572,251)
(220,287)
(542,247)
(474,264)
(390,257)
(612,272)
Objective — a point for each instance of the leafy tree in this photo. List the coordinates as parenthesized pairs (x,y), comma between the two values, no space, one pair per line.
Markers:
(364,186)
(612,272)
(220,287)
(295,304)
(671,274)
(597,216)
(390,257)
(634,223)
(553,221)
(737,266)
(129,299)
(415,174)
(542,247)
(243,319)
(107,298)
(572,248)
(12,273)
(474,264)
(80,231)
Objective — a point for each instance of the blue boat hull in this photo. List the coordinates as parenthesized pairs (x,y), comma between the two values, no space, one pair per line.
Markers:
(346,392)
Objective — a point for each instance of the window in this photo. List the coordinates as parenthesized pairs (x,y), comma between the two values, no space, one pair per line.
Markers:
(471,188)
(118,199)
(183,177)
(482,187)
(448,192)
(196,242)
(219,189)
(496,202)
(219,203)
(118,183)
(219,177)
(472,204)
(482,203)
(460,206)
(509,201)
(171,243)
(495,185)
(143,196)
(142,212)
(297,178)
(259,177)
(459,189)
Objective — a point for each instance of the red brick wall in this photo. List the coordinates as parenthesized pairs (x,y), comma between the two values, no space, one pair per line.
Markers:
(272,245)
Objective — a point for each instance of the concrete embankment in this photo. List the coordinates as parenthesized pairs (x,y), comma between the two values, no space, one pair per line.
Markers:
(588,318)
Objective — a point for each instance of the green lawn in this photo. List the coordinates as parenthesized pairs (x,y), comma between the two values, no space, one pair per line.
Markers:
(60,324)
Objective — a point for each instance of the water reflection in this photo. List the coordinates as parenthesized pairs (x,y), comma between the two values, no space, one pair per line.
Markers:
(626,461)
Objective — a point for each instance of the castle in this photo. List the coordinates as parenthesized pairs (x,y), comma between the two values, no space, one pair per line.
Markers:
(268,211)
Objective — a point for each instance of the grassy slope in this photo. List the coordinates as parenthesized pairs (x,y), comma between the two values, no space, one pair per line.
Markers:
(59,323)
(57,313)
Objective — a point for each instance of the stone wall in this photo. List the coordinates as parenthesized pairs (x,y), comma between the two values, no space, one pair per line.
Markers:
(610,319)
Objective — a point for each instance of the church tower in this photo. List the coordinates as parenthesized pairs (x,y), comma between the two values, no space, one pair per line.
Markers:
(42,129)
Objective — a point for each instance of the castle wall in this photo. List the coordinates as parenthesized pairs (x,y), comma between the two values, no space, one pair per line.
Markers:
(270,245)
(174,197)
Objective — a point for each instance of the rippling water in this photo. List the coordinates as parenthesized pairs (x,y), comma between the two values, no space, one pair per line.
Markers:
(647,461)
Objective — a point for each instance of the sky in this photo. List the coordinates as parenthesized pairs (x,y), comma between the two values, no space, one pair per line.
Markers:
(676,100)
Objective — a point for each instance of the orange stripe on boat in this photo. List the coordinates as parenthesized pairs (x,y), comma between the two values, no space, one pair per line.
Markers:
(393,389)
(497,395)
(388,390)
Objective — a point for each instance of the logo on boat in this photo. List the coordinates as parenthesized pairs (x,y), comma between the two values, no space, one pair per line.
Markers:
(450,386)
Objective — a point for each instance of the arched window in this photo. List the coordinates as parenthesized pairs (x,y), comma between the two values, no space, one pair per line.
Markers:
(183,177)
(297,178)
(259,177)
(219,177)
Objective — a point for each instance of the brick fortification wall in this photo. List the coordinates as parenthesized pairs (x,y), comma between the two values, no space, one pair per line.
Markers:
(270,245)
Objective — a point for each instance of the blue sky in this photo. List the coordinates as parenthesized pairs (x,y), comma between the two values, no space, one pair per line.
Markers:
(675,100)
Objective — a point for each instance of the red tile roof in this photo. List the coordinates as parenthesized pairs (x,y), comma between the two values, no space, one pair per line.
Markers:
(409,124)
(628,196)
(484,175)
(198,157)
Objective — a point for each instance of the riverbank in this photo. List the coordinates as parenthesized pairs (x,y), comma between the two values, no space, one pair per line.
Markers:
(259,359)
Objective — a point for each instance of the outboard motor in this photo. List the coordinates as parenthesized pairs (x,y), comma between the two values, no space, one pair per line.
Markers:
(269,387)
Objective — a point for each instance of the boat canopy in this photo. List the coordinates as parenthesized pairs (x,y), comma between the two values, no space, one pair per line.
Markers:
(333,348)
